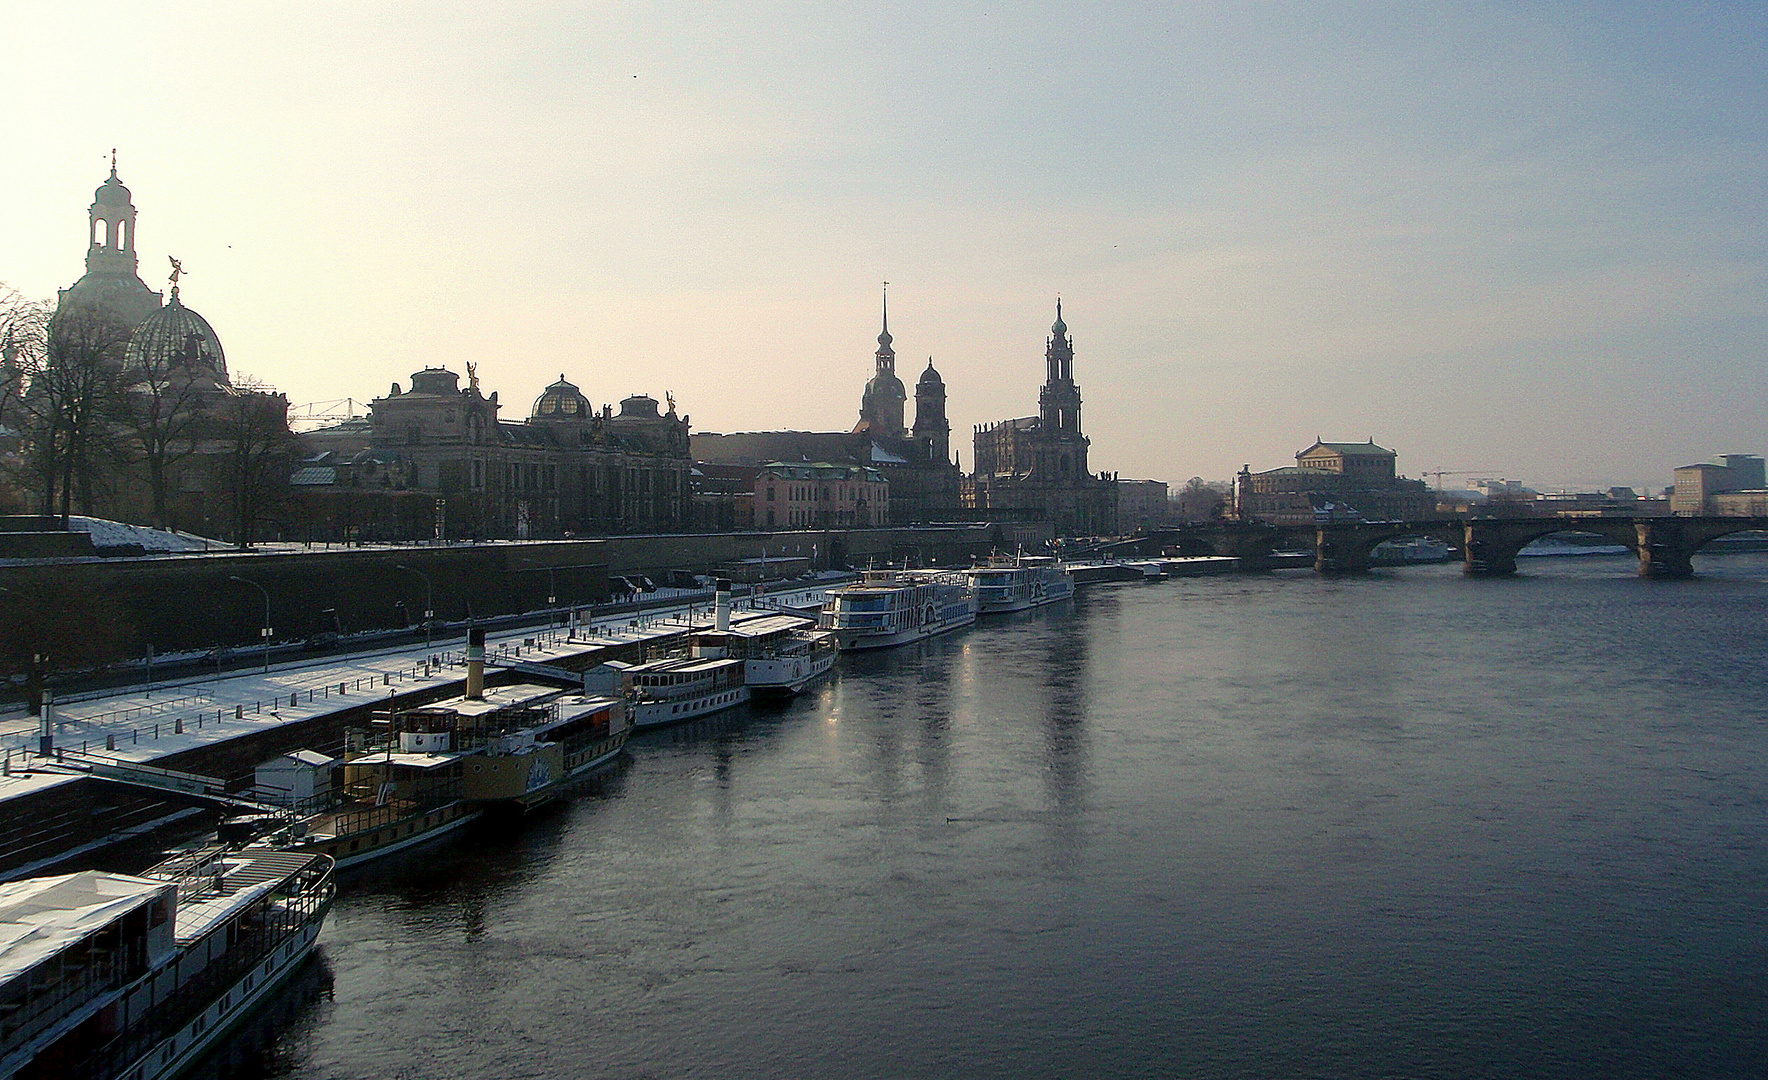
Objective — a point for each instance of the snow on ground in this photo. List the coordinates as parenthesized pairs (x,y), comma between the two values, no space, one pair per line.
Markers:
(116,534)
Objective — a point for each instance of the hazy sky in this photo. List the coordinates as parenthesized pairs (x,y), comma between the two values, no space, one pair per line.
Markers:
(1519,239)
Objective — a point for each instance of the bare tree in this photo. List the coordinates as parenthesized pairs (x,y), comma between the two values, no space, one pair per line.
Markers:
(1201,500)
(260,453)
(161,409)
(70,361)
(24,346)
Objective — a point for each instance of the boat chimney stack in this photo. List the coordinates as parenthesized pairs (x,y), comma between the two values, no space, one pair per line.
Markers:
(475,663)
(721,600)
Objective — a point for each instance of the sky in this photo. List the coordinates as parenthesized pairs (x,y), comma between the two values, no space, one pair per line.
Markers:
(1520,240)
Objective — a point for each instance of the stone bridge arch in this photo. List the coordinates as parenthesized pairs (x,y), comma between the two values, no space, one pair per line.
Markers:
(1665,545)
(1347,547)
(1489,545)
(1492,543)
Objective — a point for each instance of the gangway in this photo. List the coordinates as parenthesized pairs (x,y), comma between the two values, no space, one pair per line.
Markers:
(162,781)
(544,671)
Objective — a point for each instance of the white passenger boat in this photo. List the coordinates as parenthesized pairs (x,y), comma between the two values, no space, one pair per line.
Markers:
(781,652)
(135,977)
(669,691)
(1019,583)
(894,607)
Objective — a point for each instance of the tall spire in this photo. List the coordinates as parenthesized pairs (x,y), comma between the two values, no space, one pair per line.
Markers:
(884,338)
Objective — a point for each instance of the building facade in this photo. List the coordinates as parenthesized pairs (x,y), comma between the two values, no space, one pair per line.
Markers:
(1698,485)
(567,469)
(1143,504)
(820,496)
(1333,482)
(1036,466)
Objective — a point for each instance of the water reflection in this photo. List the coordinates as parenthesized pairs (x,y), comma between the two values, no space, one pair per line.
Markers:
(269,1043)
(1401,825)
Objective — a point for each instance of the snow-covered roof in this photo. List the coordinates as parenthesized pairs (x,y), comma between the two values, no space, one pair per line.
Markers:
(311,758)
(40,917)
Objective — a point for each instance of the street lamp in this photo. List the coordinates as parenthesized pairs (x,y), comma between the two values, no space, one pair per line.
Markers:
(429,600)
(264,633)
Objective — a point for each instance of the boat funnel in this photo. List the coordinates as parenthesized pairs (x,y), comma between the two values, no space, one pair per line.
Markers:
(721,599)
(476,663)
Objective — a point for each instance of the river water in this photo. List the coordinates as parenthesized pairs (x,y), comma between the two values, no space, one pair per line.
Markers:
(1406,825)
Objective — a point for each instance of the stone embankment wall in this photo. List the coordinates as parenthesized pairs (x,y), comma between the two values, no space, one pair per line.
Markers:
(191,602)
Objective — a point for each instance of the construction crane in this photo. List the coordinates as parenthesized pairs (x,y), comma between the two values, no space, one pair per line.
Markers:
(1440,473)
(323,412)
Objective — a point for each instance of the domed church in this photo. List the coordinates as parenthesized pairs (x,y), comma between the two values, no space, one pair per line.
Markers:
(182,426)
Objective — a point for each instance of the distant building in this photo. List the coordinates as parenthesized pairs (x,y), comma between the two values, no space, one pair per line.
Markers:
(1333,482)
(723,497)
(1036,466)
(1697,485)
(1745,502)
(820,496)
(567,469)
(916,464)
(1142,504)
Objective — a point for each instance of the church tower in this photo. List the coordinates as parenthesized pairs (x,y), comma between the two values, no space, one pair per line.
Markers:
(1059,401)
(111,286)
(932,430)
(881,406)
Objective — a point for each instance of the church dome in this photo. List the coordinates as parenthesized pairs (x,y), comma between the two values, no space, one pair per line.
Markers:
(561,399)
(930,377)
(1059,328)
(111,192)
(176,337)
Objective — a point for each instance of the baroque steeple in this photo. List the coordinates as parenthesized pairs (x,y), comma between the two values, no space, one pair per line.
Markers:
(1059,401)
(881,406)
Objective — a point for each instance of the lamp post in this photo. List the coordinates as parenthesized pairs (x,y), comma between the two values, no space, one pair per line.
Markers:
(264,633)
(429,600)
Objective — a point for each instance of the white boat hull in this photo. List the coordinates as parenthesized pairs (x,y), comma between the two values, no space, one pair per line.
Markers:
(659,713)
(786,676)
(864,639)
(204,1031)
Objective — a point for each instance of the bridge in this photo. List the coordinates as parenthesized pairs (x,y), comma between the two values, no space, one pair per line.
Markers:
(1489,546)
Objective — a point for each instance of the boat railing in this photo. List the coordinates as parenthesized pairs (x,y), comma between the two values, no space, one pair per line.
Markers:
(304,896)
(23,1019)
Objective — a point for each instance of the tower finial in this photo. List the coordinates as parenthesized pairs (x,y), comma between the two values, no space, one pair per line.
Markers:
(884,337)
(178,271)
(113,162)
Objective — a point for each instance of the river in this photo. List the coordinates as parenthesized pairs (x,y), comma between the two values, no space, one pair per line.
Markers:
(1408,824)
